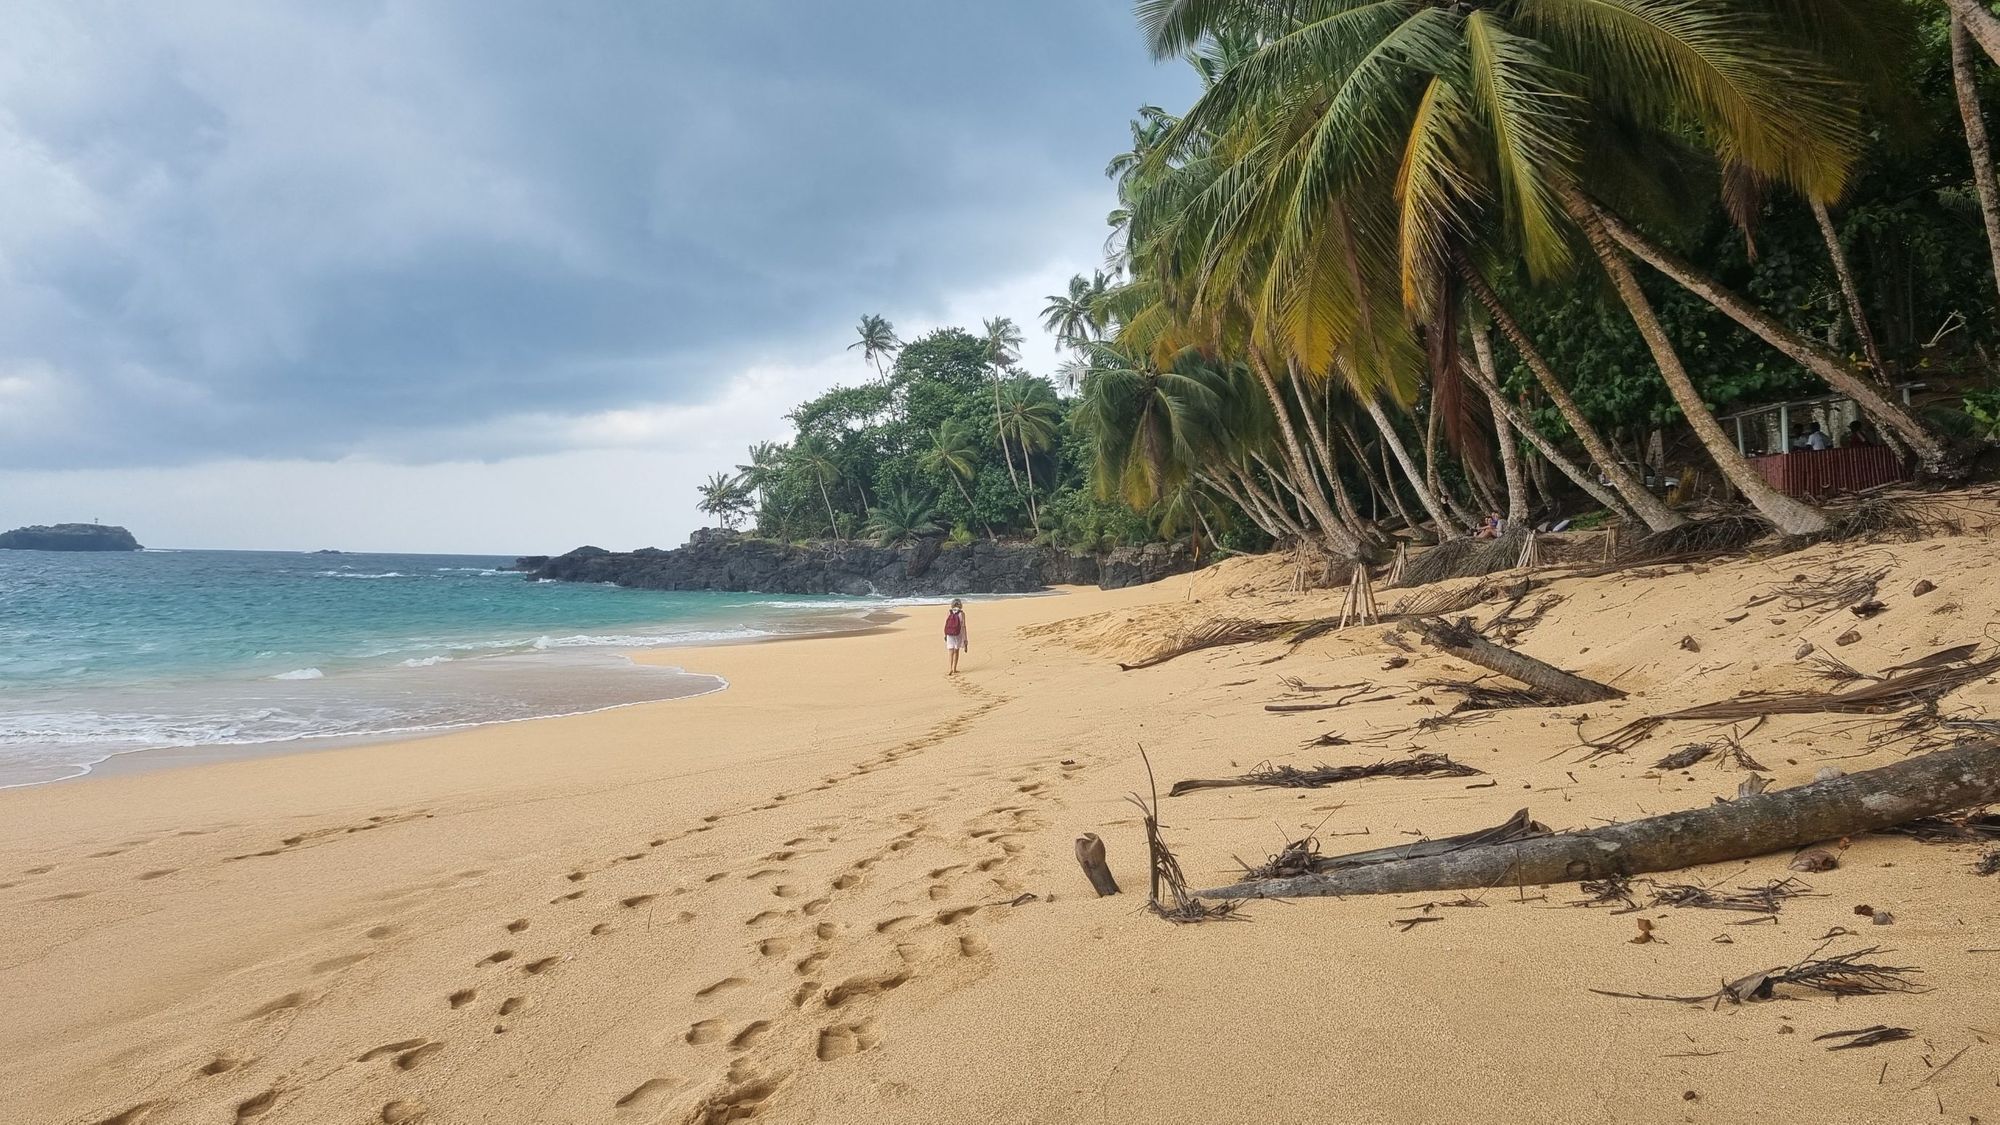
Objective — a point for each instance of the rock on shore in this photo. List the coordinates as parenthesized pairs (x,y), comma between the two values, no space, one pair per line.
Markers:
(730,561)
(69,537)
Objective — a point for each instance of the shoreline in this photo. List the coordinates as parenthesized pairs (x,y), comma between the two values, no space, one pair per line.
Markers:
(845,890)
(149,758)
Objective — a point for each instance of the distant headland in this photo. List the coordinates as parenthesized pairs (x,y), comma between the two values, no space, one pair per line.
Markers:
(69,537)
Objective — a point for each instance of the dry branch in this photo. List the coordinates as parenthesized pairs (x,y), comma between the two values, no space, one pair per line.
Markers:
(1962,777)
(1843,975)
(1291,777)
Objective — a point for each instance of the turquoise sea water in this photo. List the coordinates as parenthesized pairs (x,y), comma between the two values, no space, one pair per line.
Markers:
(104,654)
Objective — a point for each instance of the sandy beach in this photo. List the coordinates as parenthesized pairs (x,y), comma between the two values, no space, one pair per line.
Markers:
(806,898)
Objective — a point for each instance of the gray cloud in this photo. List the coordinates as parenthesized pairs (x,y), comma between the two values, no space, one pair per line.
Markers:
(308,230)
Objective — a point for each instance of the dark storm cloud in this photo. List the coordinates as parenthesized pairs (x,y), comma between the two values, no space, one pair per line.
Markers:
(308,229)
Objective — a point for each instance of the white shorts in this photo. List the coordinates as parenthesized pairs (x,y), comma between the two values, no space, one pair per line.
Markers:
(954,644)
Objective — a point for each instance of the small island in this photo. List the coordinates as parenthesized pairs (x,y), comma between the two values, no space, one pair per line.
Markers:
(69,537)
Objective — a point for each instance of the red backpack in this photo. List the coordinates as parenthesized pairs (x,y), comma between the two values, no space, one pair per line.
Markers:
(954,623)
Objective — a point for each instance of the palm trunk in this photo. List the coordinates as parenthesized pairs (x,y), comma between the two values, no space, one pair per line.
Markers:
(1975,131)
(973,508)
(1028,466)
(1856,314)
(1323,454)
(1389,485)
(1000,431)
(1488,379)
(832,524)
(1340,540)
(1446,529)
(1812,355)
(1786,514)
(1510,453)
(1980,22)
(1252,504)
(1649,508)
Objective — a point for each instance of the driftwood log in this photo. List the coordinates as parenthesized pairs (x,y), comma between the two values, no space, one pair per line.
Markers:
(1941,782)
(1559,687)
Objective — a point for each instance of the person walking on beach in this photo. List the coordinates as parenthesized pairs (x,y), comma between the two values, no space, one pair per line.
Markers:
(956,638)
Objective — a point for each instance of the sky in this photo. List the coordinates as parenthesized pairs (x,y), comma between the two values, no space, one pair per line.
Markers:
(496,276)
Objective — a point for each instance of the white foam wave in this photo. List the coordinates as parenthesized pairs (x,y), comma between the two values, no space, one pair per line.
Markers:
(649,640)
(301,674)
(425,661)
(358,574)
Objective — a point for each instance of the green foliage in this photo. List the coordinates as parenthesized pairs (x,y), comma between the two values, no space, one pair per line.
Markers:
(902,518)
(1983,407)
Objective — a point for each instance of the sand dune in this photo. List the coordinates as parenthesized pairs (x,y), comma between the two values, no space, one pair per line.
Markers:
(807,898)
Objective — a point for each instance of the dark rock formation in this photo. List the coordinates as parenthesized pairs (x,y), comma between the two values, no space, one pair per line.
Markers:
(727,560)
(69,537)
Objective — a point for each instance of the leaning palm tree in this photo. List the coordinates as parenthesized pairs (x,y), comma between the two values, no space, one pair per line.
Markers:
(766,458)
(1967,87)
(1030,417)
(1150,429)
(1479,118)
(954,452)
(1980,22)
(902,518)
(1003,343)
(814,458)
(878,343)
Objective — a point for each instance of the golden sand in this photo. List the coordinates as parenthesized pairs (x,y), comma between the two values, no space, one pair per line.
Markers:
(789,901)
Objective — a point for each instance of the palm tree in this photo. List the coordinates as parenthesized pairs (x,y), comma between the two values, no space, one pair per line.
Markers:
(1967,87)
(1029,415)
(724,497)
(878,343)
(813,457)
(954,453)
(1150,429)
(766,459)
(1978,19)
(1003,342)
(1481,115)
(1076,318)
(901,518)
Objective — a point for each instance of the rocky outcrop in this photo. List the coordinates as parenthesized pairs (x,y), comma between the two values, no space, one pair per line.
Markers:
(726,560)
(69,537)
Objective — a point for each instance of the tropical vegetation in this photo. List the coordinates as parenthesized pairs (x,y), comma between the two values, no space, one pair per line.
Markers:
(1406,262)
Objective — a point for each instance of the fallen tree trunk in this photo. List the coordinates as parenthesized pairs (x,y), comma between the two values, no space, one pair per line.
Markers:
(1559,687)
(1942,782)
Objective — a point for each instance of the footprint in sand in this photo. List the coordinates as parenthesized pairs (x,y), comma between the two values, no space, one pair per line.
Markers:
(411,1060)
(804,993)
(774,947)
(160,874)
(644,1092)
(815,906)
(396,1048)
(283,1003)
(635,900)
(221,1064)
(384,931)
(947,917)
(600,929)
(826,931)
(570,897)
(535,968)
(785,890)
(462,997)
(844,882)
(333,963)
(763,916)
(723,985)
(844,1039)
(864,986)
(258,1106)
(891,925)
(516,926)
(748,1037)
(707,1031)
(806,965)
(403,1113)
(132,1116)
(514,1005)
(971,945)
(496,957)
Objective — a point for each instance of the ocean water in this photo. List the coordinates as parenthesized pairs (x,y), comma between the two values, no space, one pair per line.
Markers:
(108,654)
